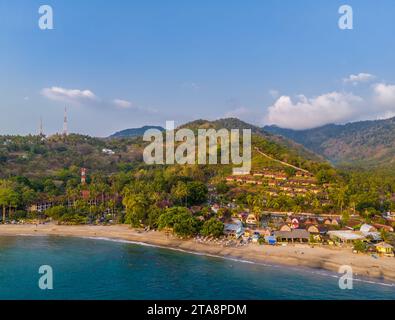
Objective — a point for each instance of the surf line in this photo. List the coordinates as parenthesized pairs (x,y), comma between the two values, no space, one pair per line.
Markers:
(309,270)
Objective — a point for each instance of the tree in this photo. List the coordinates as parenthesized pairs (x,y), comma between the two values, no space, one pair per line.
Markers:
(180,192)
(212,227)
(197,192)
(224,214)
(8,197)
(153,216)
(180,220)
(56,212)
(136,208)
(360,246)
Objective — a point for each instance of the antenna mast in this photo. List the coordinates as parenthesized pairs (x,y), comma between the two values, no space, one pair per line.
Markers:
(65,130)
(41,127)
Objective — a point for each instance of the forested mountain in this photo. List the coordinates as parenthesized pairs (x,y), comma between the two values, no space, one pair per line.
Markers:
(277,142)
(368,144)
(36,169)
(37,156)
(134,132)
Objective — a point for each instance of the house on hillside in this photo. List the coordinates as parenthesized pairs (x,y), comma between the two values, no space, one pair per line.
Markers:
(108,151)
(384,227)
(264,232)
(285,227)
(302,174)
(311,221)
(234,229)
(353,224)
(370,232)
(252,220)
(314,229)
(333,222)
(367,228)
(294,223)
(40,206)
(243,216)
(280,176)
(215,207)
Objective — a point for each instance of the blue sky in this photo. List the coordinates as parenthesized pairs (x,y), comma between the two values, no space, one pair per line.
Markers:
(131,63)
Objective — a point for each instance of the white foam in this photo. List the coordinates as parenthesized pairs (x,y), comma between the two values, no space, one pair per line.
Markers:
(321,273)
(178,249)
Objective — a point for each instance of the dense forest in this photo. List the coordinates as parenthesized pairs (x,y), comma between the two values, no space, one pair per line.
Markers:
(121,188)
(365,144)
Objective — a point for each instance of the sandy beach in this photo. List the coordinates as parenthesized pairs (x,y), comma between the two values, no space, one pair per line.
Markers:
(297,255)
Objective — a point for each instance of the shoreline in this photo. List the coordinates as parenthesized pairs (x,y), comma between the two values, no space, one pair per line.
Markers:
(292,255)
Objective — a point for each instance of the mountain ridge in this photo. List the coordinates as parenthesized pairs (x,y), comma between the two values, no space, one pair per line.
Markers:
(369,143)
(134,132)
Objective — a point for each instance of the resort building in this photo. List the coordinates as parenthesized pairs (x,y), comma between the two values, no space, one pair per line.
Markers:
(384,227)
(294,223)
(385,249)
(298,235)
(251,219)
(370,232)
(234,229)
(316,229)
(367,228)
(345,236)
(285,228)
(108,151)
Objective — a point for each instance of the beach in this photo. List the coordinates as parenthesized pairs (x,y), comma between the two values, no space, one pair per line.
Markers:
(297,255)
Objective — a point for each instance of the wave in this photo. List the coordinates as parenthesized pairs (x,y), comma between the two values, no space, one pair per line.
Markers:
(177,249)
(320,273)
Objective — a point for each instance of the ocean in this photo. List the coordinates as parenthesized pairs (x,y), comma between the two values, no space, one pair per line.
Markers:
(101,269)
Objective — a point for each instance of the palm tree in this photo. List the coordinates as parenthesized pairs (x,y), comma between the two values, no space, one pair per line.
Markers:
(8,197)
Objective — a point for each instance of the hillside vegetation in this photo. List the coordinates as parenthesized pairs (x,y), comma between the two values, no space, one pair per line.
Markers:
(40,178)
(368,144)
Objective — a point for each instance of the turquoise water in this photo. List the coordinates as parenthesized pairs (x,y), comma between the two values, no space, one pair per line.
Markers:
(99,269)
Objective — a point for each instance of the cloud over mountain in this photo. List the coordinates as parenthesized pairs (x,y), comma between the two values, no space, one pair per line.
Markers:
(304,113)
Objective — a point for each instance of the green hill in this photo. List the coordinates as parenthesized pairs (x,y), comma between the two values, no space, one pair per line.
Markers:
(134,132)
(279,144)
(369,144)
(35,156)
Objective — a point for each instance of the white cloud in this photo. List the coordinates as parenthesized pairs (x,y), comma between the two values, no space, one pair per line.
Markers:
(384,95)
(68,95)
(358,78)
(305,113)
(124,104)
